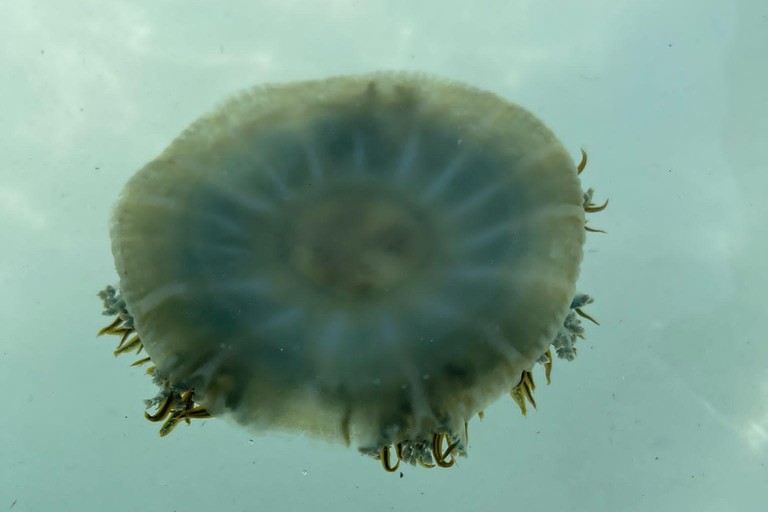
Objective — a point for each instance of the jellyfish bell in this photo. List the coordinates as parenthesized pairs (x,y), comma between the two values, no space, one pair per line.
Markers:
(370,259)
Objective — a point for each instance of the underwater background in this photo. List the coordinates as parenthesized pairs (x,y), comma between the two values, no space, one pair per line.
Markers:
(665,407)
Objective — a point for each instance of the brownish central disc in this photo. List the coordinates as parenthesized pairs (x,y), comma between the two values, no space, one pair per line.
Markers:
(355,247)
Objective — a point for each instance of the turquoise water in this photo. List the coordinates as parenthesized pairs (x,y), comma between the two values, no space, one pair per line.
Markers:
(665,407)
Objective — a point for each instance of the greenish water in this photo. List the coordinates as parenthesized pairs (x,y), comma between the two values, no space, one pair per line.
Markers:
(664,409)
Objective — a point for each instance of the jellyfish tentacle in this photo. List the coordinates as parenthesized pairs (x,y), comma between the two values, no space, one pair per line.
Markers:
(126,335)
(198,412)
(181,408)
(162,411)
(386,462)
(548,366)
(133,343)
(346,427)
(595,209)
(587,203)
(108,329)
(399,451)
(439,455)
(170,424)
(524,391)
(583,162)
(529,386)
(582,314)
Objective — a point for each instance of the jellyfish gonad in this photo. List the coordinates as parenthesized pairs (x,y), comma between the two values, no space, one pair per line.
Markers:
(369,259)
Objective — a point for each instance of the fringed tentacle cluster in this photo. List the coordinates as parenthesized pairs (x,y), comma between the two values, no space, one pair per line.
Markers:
(436,449)
(173,403)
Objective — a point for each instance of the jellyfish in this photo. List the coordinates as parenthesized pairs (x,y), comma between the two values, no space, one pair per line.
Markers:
(371,260)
